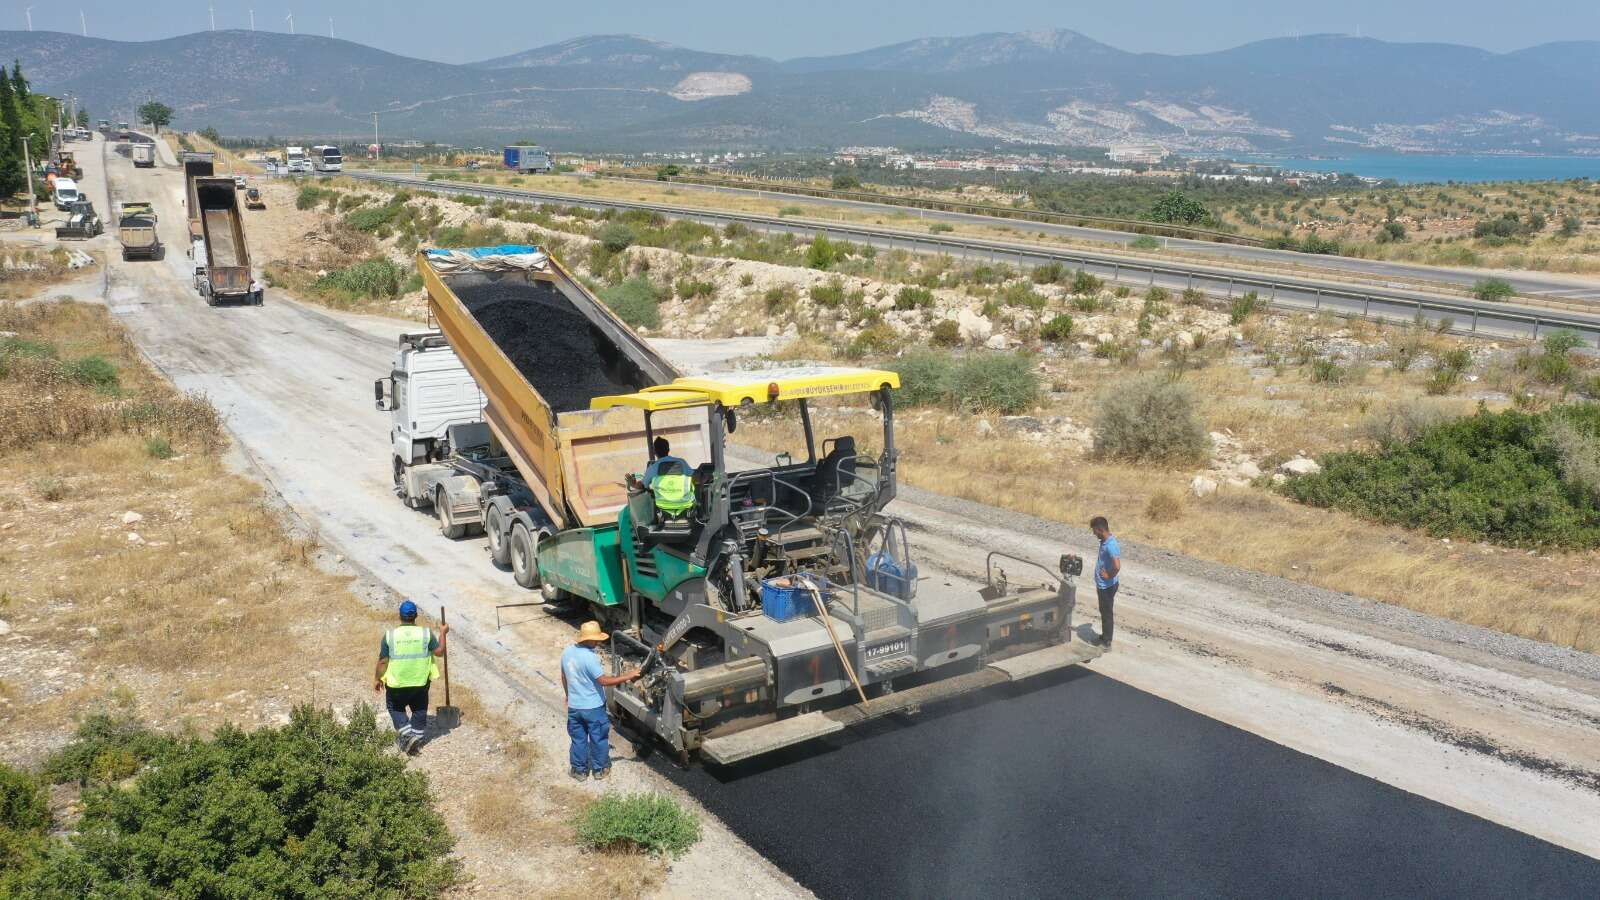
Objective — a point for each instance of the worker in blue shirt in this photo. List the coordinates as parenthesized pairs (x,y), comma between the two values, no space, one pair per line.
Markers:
(1107,574)
(661,452)
(584,680)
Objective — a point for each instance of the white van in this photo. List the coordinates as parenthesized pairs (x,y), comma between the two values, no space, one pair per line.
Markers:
(66,193)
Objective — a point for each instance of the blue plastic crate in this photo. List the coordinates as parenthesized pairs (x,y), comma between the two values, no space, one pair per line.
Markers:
(786,599)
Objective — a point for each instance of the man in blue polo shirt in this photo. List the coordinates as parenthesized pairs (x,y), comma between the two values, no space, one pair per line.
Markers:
(583,678)
(1107,574)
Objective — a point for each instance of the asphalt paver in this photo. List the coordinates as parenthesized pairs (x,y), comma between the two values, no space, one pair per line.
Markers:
(1083,786)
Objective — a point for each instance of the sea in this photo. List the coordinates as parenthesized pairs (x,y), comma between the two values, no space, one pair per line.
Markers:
(1420,168)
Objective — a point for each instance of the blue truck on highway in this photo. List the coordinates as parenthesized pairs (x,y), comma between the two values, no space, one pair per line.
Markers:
(533,159)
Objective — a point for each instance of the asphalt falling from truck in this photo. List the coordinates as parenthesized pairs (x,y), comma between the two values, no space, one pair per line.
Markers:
(562,354)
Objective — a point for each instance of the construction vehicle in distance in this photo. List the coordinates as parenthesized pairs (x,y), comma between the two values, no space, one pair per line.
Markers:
(82,221)
(143,155)
(529,160)
(253,200)
(221,245)
(136,231)
(766,604)
(124,131)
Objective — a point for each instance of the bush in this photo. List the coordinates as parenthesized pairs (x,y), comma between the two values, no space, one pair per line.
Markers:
(1145,242)
(790,211)
(1448,368)
(1562,341)
(1087,304)
(879,337)
(24,824)
(1164,505)
(829,295)
(1497,477)
(157,447)
(369,279)
(616,237)
(310,196)
(997,382)
(1243,307)
(941,228)
(93,371)
(690,288)
(644,822)
(1493,290)
(1022,295)
(1086,285)
(1057,330)
(314,808)
(1194,297)
(635,302)
(778,298)
(374,218)
(1150,419)
(1049,273)
(947,333)
(1326,371)
(821,254)
(911,297)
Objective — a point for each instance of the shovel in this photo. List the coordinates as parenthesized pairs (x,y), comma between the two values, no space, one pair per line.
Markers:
(447,716)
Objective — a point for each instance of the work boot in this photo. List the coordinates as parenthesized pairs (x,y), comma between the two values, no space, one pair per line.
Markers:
(579,776)
(400,741)
(413,741)
(602,774)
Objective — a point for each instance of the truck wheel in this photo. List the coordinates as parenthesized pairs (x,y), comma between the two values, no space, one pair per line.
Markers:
(447,521)
(494,523)
(211,299)
(524,557)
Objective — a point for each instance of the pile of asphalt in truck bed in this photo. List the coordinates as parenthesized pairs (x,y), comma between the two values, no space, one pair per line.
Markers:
(563,355)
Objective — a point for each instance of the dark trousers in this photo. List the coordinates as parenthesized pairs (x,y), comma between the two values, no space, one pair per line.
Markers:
(399,699)
(1107,596)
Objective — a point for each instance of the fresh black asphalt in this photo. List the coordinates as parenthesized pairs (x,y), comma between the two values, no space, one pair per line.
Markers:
(1083,786)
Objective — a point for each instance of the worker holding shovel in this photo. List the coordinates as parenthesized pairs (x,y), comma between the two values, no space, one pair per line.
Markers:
(406,663)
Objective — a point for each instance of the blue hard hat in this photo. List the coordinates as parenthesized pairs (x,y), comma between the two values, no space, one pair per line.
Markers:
(408,610)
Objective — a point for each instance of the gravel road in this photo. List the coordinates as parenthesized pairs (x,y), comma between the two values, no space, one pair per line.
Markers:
(1234,707)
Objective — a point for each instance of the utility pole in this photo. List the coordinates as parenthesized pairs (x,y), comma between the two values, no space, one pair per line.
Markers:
(378,152)
(27,164)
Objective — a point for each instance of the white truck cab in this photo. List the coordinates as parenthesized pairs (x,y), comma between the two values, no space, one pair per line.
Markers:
(427,392)
(66,193)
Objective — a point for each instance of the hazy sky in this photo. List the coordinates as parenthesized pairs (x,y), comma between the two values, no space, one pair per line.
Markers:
(455,32)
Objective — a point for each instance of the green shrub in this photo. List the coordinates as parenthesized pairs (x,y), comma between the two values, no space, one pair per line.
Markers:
(1562,341)
(1049,273)
(1496,477)
(369,279)
(310,196)
(1448,367)
(24,824)
(821,254)
(877,338)
(1493,290)
(829,295)
(998,382)
(635,301)
(1088,304)
(941,228)
(1057,330)
(911,297)
(690,288)
(778,298)
(645,822)
(1150,419)
(375,217)
(1326,371)
(923,377)
(471,236)
(1243,307)
(314,808)
(469,199)
(790,211)
(93,371)
(746,279)
(616,237)
(1020,294)
(157,447)
(1084,284)
(1193,297)
(947,333)
(1145,242)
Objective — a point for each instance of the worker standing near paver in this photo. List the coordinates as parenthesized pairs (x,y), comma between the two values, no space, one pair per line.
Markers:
(584,680)
(405,666)
(1107,575)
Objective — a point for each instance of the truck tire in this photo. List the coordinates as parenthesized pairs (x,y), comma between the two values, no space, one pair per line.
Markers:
(447,521)
(494,525)
(524,557)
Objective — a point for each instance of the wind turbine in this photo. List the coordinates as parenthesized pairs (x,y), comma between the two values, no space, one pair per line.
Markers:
(252,20)
(290,17)
(29,13)
(83,23)
(330,26)
(213,9)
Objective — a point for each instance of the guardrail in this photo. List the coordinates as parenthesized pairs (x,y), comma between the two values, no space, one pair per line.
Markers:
(1132,226)
(1458,316)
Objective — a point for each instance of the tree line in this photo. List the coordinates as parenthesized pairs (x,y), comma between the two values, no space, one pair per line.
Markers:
(23,114)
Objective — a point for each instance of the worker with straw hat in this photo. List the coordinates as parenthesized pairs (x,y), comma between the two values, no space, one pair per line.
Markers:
(584,680)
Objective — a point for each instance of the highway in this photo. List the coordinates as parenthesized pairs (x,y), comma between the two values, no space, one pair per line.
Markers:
(1531,283)
(1458,314)
(1087,787)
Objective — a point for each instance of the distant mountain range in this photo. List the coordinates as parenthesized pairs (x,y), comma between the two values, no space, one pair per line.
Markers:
(1316,94)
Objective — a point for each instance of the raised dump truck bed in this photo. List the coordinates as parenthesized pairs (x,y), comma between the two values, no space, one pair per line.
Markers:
(227,257)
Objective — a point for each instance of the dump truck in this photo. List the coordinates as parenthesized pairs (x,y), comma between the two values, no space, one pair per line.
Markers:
(766,603)
(195,165)
(143,155)
(82,221)
(221,247)
(136,231)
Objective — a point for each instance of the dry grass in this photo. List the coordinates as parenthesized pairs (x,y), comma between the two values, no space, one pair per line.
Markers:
(215,612)
(33,270)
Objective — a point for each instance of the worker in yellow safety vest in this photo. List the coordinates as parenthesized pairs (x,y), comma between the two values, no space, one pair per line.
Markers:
(406,663)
